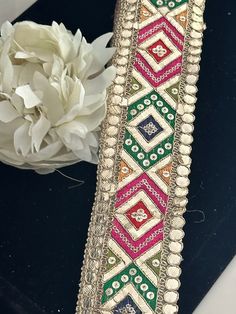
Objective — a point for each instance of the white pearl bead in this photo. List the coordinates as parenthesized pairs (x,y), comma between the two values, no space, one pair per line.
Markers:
(109,152)
(188,118)
(195,42)
(170,309)
(181,202)
(108,162)
(182,182)
(186,139)
(111,141)
(197,26)
(172,284)
(175,247)
(197,10)
(122,61)
(193,68)
(185,160)
(125,43)
(173,271)
(180,192)
(178,222)
(115,110)
(199,2)
(183,171)
(187,128)
(196,34)
(193,59)
(106,174)
(185,149)
(120,70)
(189,99)
(174,259)
(197,18)
(189,108)
(191,79)
(118,89)
(195,51)
(113,120)
(126,34)
(112,131)
(176,235)
(171,297)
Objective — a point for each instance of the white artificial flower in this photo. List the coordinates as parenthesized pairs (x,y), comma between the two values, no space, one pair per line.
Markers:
(53,88)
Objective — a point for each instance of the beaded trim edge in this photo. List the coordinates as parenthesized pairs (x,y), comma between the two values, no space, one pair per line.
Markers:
(111,143)
(174,223)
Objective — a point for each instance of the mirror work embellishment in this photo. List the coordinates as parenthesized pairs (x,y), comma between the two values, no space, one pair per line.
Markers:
(133,252)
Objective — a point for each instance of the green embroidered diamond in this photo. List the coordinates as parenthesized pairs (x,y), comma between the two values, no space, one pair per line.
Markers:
(150,130)
(132,274)
(171,4)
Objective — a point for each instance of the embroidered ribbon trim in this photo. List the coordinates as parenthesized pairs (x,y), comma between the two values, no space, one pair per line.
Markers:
(133,251)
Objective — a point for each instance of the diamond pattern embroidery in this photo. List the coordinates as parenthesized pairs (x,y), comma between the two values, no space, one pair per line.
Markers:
(138,214)
(138,219)
(135,240)
(149,136)
(131,276)
(127,306)
(159,55)
(149,128)
(159,50)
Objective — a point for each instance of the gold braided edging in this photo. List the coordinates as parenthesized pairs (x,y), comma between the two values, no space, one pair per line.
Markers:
(173,240)
(112,137)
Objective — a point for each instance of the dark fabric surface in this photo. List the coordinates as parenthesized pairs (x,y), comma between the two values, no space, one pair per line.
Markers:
(44,219)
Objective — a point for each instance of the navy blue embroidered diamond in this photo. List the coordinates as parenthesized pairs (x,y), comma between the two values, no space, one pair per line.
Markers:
(149,128)
(127,306)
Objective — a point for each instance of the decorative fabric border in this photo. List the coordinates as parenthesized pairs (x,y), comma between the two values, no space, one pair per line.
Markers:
(133,251)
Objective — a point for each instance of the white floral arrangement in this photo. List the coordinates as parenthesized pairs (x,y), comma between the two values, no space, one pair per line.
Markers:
(53,89)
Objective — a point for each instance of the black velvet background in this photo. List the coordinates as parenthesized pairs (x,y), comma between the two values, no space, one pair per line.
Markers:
(44,219)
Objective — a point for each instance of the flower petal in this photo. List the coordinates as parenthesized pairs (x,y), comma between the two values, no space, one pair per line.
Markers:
(27,73)
(100,82)
(30,98)
(93,120)
(46,153)
(82,64)
(92,103)
(101,54)
(10,158)
(7,112)
(7,30)
(50,98)
(75,103)
(39,130)
(66,132)
(22,140)
(6,68)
